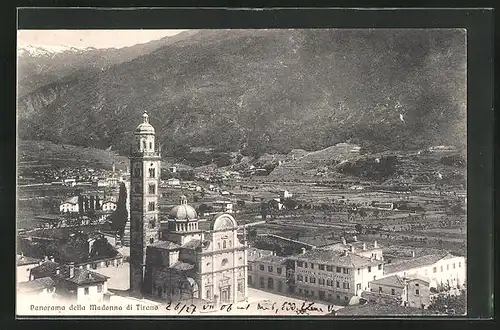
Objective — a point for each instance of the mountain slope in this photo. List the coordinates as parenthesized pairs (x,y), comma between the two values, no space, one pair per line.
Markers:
(272,90)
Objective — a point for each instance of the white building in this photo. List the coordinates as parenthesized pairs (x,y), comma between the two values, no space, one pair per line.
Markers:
(108,205)
(173,182)
(23,267)
(442,269)
(284,194)
(70,205)
(223,206)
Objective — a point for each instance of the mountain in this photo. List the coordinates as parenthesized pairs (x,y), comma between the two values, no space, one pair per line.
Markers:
(264,91)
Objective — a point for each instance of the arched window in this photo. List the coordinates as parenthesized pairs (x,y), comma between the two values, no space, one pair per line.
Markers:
(224,262)
(150,145)
(224,244)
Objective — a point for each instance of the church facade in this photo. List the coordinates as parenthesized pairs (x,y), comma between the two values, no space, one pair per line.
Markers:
(184,258)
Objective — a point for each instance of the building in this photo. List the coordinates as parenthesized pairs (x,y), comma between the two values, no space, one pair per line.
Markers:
(108,206)
(40,289)
(174,182)
(223,206)
(369,250)
(443,270)
(284,194)
(336,276)
(70,205)
(23,267)
(268,272)
(70,283)
(183,258)
(408,292)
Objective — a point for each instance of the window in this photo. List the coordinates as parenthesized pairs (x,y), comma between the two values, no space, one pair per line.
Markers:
(434,270)
(270,283)
(321,281)
(393,292)
(416,284)
(305,264)
(278,270)
(299,278)
(261,267)
(338,284)
(441,269)
(305,279)
(300,290)
(250,267)
(99,288)
(346,270)
(359,271)
(209,294)
(86,291)
(380,267)
(224,244)
(329,268)
(379,289)
(152,172)
(339,270)
(453,265)
(312,293)
(321,267)
(299,264)
(224,262)
(261,282)
(151,206)
(270,269)
(459,264)
(312,265)
(152,189)
(151,240)
(346,298)
(369,269)
(152,223)
(417,292)
(345,285)
(313,279)
(150,145)
(447,267)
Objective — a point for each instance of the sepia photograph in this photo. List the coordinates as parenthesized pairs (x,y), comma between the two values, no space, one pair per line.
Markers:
(249,172)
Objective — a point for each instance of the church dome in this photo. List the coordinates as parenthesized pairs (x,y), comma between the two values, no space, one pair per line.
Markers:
(183,211)
(145,127)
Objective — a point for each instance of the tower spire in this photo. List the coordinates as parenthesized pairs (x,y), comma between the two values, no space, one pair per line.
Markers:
(145,117)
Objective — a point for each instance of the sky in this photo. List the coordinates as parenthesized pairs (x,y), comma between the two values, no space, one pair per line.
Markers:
(90,38)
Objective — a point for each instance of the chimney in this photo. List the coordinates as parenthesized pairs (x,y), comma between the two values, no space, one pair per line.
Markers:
(413,253)
(303,250)
(364,246)
(355,238)
(58,271)
(71,269)
(375,245)
(345,253)
(22,255)
(352,248)
(52,258)
(343,240)
(89,275)
(46,258)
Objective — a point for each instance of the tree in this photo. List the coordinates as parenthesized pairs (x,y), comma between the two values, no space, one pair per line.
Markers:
(252,234)
(449,304)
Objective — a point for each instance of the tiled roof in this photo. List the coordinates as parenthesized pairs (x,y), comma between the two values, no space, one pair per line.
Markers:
(413,263)
(36,285)
(272,259)
(47,268)
(23,260)
(417,277)
(358,246)
(72,200)
(255,254)
(192,244)
(335,257)
(180,265)
(166,245)
(81,276)
(393,280)
(372,309)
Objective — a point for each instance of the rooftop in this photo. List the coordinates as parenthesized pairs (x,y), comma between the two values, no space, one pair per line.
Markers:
(414,263)
(166,245)
(393,280)
(358,246)
(36,285)
(335,257)
(272,259)
(192,244)
(23,260)
(180,265)
(80,276)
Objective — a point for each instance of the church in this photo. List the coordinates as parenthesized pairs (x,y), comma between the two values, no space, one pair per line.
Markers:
(184,258)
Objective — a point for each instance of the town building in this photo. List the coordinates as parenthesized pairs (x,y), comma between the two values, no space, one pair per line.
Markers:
(174,182)
(284,194)
(223,206)
(332,275)
(23,267)
(41,289)
(443,270)
(408,292)
(184,257)
(108,205)
(71,284)
(369,250)
(70,205)
(268,272)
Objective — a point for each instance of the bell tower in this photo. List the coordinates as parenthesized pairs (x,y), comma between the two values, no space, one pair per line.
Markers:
(145,167)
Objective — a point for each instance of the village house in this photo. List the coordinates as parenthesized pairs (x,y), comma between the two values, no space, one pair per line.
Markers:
(267,271)
(23,267)
(332,275)
(223,206)
(108,205)
(72,284)
(41,289)
(369,250)
(408,292)
(173,182)
(444,270)
(70,205)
